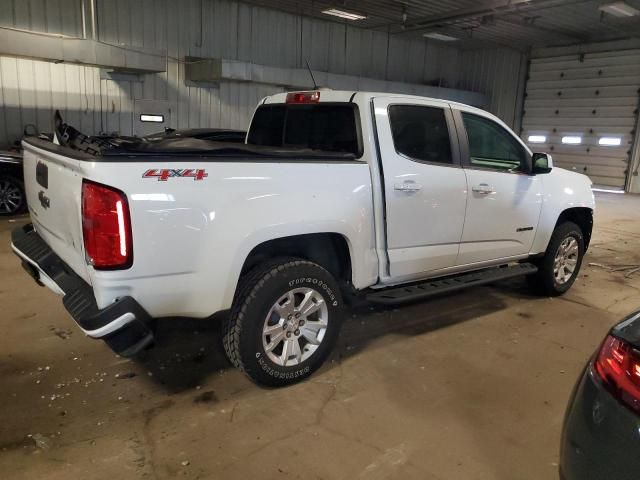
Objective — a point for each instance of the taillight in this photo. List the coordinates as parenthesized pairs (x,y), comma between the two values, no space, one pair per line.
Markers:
(618,365)
(106,227)
(303,97)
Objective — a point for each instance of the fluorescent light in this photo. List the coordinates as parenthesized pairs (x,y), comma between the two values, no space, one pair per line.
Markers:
(570,140)
(440,36)
(537,139)
(610,141)
(619,9)
(342,14)
(145,117)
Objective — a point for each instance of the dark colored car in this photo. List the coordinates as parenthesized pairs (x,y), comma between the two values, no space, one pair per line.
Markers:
(12,196)
(601,433)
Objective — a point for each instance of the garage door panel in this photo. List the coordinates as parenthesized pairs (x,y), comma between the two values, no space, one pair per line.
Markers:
(583,82)
(605,182)
(604,153)
(600,170)
(600,59)
(616,111)
(590,72)
(565,102)
(589,160)
(543,128)
(614,175)
(584,93)
(569,124)
(589,95)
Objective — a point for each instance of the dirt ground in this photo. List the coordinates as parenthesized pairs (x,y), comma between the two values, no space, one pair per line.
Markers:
(470,386)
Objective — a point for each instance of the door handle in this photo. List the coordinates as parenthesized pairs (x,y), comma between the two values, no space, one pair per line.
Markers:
(407,187)
(483,188)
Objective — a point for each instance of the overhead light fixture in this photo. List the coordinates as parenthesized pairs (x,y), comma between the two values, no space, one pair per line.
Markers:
(572,140)
(619,9)
(610,141)
(537,139)
(440,36)
(146,117)
(342,14)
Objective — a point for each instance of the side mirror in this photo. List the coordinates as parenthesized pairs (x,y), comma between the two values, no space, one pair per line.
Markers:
(542,163)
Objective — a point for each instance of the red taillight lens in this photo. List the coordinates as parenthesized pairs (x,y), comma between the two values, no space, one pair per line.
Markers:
(303,97)
(618,365)
(106,227)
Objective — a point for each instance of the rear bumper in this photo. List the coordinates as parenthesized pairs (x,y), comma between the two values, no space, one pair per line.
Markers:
(124,325)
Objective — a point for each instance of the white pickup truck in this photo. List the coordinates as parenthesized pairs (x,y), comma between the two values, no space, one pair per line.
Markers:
(393,198)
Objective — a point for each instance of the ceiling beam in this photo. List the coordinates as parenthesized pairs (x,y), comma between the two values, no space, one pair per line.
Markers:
(522,22)
(495,8)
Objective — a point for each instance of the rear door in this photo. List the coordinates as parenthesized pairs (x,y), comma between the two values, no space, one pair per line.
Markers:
(503,199)
(424,185)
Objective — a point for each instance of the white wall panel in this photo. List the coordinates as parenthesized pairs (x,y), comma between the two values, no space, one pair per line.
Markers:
(53,16)
(30,90)
(501,72)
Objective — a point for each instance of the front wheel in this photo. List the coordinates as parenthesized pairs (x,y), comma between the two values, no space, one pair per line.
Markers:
(561,263)
(284,322)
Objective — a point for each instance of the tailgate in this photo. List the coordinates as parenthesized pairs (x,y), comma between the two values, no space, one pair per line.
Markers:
(53,183)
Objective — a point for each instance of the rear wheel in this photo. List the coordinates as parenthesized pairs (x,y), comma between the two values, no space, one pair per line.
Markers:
(559,267)
(12,197)
(284,322)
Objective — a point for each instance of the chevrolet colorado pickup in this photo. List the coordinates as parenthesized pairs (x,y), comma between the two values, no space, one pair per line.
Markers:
(392,198)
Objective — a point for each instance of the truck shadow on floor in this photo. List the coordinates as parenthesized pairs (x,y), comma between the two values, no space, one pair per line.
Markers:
(189,351)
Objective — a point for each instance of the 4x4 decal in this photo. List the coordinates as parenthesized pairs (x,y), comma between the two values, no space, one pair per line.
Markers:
(164,174)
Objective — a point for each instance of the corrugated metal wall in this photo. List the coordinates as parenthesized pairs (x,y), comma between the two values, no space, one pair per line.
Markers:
(53,16)
(502,74)
(30,90)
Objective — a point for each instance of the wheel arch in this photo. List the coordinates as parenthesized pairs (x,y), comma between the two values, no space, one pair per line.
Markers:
(581,216)
(329,249)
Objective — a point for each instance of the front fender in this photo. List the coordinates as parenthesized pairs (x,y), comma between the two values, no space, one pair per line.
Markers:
(562,190)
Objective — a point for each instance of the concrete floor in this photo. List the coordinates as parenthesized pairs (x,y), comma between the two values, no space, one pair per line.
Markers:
(471,386)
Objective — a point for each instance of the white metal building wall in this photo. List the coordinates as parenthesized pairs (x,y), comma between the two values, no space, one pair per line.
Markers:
(501,72)
(30,89)
(587,95)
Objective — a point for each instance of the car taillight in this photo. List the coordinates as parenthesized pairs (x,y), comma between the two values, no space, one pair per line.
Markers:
(106,227)
(303,97)
(618,365)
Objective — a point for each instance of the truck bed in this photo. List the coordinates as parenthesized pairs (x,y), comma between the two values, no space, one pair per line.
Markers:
(75,144)
(197,209)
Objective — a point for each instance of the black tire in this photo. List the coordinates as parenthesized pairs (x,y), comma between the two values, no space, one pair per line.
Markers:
(544,281)
(258,292)
(10,204)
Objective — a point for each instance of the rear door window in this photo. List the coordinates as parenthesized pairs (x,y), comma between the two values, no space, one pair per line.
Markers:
(421,133)
(325,127)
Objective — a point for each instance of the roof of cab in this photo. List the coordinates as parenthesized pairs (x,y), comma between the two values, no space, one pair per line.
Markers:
(328,95)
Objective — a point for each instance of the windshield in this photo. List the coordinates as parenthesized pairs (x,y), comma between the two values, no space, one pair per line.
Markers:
(326,127)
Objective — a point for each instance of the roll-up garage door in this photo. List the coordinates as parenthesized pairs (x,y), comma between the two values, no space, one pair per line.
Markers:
(582,109)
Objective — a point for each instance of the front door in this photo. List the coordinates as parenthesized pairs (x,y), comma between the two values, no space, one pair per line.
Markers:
(503,200)
(424,185)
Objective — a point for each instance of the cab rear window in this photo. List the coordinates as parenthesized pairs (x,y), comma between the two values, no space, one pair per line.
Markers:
(325,127)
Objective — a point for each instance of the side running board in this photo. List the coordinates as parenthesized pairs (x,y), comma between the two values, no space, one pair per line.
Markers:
(402,294)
